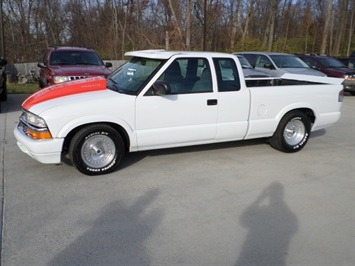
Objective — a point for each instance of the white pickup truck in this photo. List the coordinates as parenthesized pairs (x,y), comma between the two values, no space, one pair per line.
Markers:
(162,99)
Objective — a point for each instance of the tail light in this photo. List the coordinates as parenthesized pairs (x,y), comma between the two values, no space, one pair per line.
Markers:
(341,96)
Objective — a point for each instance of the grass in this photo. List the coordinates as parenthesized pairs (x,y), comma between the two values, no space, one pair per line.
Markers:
(22,88)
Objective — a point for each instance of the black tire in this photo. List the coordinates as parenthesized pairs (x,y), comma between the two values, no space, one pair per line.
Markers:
(3,95)
(96,149)
(292,132)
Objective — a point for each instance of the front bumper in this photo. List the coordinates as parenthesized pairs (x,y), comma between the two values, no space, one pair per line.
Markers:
(349,85)
(44,151)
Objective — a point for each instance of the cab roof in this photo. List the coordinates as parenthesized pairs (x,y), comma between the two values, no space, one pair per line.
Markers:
(163,54)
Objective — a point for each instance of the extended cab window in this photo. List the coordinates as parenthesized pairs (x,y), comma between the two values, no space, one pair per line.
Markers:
(227,74)
(188,75)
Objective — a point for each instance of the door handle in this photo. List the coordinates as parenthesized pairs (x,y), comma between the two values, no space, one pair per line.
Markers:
(212,102)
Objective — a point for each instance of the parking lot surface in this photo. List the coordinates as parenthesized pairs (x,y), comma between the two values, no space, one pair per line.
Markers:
(239,203)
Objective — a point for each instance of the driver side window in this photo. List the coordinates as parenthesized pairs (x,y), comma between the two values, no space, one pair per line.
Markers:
(188,75)
(262,60)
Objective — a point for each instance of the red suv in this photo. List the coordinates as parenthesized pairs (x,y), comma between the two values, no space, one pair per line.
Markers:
(332,67)
(62,64)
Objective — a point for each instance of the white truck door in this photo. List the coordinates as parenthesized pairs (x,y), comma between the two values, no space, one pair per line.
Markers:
(185,116)
(233,101)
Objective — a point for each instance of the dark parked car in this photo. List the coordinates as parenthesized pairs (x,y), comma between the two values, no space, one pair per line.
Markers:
(332,67)
(3,89)
(348,61)
(62,64)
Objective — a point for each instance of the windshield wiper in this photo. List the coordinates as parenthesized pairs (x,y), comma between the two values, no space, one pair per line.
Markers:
(115,85)
(117,88)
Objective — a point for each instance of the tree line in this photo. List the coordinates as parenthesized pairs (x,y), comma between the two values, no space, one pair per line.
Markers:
(112,27)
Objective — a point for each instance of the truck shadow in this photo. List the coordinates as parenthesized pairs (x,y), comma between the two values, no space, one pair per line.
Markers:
(318,133)
(134,157)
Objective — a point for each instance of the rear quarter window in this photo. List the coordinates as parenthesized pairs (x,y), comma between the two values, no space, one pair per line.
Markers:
(227,74)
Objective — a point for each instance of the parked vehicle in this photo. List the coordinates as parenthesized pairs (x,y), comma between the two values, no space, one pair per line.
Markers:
(248,70)
(332,67)
(277,64)
(3,88)
(164,99)
(253,77)
(348,61)
(62,64)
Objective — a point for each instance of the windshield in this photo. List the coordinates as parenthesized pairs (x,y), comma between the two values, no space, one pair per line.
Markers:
(244,62)
(75,58)
(132,76)
(288,61)
(331,62)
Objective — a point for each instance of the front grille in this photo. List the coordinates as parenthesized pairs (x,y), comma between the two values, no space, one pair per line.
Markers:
(77,77)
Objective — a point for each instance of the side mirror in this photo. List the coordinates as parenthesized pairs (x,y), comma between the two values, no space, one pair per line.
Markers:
(269,66)
(108,64)
(315,67)
(161,87)
(3,62)
(41,65)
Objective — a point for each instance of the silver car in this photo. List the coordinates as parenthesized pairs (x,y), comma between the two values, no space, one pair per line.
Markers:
(248,70)
(277,64)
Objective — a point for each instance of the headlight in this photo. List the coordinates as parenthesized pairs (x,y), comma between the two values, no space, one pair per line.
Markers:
(60,79)
(33,126)
(34,120)
(350,77)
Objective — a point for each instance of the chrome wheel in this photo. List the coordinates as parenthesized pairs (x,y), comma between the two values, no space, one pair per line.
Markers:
(98,151)
(294,132)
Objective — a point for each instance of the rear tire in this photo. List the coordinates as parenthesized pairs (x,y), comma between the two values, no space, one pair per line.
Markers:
(96,149)
(292,132)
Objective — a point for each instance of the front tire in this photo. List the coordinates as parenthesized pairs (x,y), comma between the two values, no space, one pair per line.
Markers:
(96,149)
(292,133)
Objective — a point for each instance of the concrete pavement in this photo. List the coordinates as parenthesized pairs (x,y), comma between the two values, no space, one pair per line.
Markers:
(236,203)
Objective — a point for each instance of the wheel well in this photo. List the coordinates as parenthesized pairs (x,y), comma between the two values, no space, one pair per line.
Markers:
(308,112)
(118,128)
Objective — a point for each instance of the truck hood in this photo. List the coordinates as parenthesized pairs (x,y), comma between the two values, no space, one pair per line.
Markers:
(66,106)
(304,71)
(65,89)
(251,73)
(80,70)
